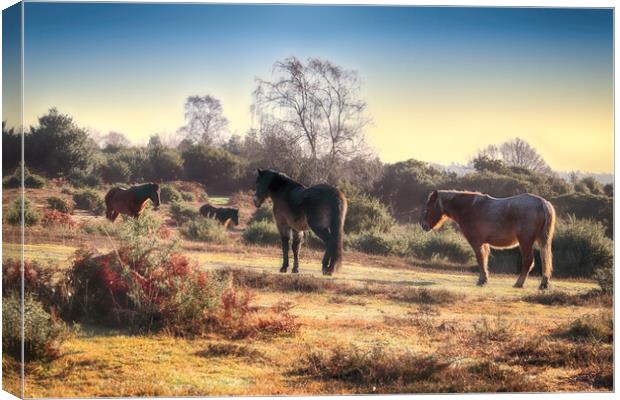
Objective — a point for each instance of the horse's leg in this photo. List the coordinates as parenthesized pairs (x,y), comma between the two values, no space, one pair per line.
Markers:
(527,262)
(114,215)
(324,235)
(482,256)
(297,239)
(547,266)
(285,235)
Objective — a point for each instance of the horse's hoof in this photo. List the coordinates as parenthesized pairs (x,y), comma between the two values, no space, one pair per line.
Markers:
(295,271)
(481,283)
(543,286)
(283,270)
(518,286)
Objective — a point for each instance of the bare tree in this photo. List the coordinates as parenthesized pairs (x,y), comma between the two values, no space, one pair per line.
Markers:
(114,139)
(513,153)
(519,153)
(204,120)
(317,105)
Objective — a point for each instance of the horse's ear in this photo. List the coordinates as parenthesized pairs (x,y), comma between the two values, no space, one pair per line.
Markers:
(259,170)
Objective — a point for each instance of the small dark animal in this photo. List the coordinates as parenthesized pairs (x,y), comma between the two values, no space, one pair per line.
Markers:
(297,208)
(222,214)
(130,201)
(487,222)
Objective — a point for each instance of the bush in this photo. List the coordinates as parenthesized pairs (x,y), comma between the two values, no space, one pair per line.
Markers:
(217,168)
(168,194)
(103,227)
(264,213)
(32,181)
(53,218)
(116,170)
(182,214)
(586,206)
(59,204)
(580,248)
(205,230)
(42,334)
(594,328)
(261,233)
(37,280)
(188,196)
(81,178)
(372,242)
(89,200)
(445,243)
(31,216)
(366,213)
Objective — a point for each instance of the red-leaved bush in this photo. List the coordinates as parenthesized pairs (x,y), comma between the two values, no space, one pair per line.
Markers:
(57,218)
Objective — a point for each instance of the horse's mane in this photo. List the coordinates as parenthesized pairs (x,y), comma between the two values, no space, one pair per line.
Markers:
(281,179)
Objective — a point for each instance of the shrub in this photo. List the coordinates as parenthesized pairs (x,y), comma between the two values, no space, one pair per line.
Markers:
(42,334)
(580,248)
(168,194)
(205,230)
(89,200)
(375,366)
(592,297)
(372,242)
(586,206)
(366,213)
(36,279)
(445,243)
(59,204)
(188,196)
(81,178)
(31,216)
(30,180)
(116,170)
(53,218)
(182,214)
(261,233)
(594,328)
(103,227)
(264,213)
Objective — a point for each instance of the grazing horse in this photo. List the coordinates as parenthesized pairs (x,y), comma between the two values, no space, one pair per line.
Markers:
(222,214)
(297,208)
(130,201)
(487,222)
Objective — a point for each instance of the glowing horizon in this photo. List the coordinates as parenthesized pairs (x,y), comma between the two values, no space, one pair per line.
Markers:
(440,83)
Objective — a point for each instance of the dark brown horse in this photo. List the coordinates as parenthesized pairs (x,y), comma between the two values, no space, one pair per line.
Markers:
(488,222)
(297,208)
(223,214)
(130,201)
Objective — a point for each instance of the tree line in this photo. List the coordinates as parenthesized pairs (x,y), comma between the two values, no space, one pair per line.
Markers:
(310,119)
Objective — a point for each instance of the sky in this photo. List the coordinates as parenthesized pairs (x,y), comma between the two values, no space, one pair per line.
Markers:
(440,83)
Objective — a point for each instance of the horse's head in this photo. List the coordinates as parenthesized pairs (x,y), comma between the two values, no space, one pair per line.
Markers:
(235,217)
(263,182)
(433,215)
(154,195)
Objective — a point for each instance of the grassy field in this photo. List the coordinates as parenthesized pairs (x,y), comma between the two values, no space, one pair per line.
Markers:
(380,325)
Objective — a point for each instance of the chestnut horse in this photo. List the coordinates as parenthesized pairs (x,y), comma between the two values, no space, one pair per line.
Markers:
(487,222)
(130,201)
(297,208)
(222,214)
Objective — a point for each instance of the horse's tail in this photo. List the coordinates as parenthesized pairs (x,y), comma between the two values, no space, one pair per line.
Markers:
(546,238)
(336,226)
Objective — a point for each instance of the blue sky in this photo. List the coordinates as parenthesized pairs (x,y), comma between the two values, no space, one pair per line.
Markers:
(443,81)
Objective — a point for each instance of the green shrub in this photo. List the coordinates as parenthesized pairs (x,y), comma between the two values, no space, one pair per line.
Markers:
(445,243)
(168,194)
(205,230)
(31,216)
(264,213)
(59,204)
(32,181)
(89,200)
(182,214)
(42,334)
(592,327)
(188,196)
(372,242)
(81,178)
(262,233)
(366,213)
(103,227)
(580,248)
